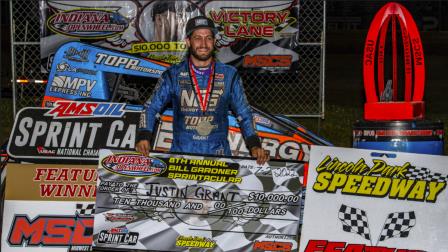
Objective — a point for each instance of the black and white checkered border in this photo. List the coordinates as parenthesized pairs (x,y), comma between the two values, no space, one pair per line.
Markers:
(398,225)
(85,209)
(354,221)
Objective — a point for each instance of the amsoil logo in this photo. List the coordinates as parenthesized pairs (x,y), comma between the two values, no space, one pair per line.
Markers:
(55,231)
(272,246)
(72,109)
(134,165)
(88,23)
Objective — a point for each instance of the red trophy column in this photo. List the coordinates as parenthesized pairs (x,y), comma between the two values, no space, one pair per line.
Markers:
(390,123)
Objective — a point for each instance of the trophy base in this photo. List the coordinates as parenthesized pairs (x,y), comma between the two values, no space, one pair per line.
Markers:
(417,136)
(391,111)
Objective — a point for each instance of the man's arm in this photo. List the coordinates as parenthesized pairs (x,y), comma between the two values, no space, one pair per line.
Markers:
(244,116)
(153,106)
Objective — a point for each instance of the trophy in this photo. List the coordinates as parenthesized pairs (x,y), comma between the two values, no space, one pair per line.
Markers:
(392,121)
(383,106)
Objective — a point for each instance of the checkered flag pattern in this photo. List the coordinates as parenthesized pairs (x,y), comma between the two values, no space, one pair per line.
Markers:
(416,173)
(397,225)
(354,220)
(422,173)
(437,177)
(85,209)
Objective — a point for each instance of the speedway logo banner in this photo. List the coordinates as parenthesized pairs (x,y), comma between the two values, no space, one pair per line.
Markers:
(48,208)
(188,202)
(72,131)
(363,200)
(156,29)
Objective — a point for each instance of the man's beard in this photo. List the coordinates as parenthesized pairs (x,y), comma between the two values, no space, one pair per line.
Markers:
(201,57)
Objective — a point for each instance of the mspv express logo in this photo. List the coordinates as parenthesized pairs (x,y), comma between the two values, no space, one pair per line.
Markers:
(72,86)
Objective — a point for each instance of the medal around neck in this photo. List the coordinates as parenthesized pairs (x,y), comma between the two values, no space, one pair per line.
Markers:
(204,128)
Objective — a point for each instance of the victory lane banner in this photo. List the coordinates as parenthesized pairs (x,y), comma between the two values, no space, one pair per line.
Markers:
(72,131)
(175,202)
(48,207)
(364,200)
(247,30)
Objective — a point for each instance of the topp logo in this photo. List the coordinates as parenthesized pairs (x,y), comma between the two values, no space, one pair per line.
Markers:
(133,165)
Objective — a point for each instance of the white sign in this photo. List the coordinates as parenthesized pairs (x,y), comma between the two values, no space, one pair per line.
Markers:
(364,200)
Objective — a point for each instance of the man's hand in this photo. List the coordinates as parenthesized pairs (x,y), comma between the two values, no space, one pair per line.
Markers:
(261,154)
(143,147)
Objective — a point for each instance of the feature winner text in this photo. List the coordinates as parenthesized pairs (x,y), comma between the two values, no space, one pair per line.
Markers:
(206,170)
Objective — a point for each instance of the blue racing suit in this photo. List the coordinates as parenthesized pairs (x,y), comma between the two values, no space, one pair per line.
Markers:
(176,86)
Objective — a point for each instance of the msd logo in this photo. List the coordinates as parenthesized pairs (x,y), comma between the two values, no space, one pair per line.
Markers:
(73,109)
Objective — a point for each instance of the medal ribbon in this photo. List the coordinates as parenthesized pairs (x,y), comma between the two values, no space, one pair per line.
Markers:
(203,102)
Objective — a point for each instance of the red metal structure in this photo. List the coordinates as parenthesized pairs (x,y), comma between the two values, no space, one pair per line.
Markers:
(412,107)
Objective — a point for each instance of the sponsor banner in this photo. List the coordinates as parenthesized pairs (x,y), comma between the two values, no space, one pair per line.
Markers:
(196,202)
(156,29)
(72,131)
(364,200)
(54,213)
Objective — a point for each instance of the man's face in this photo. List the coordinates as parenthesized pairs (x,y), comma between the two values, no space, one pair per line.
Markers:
(201,44)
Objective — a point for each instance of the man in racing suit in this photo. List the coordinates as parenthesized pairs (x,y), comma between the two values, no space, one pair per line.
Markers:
(201,91)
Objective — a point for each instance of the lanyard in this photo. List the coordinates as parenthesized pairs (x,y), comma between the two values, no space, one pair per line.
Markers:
(203,102)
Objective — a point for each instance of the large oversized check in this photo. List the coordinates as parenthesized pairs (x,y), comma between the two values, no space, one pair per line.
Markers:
(168,202)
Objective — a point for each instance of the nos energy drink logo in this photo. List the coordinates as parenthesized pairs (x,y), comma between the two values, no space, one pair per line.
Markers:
(134,165)
(72,109)
(88,23)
